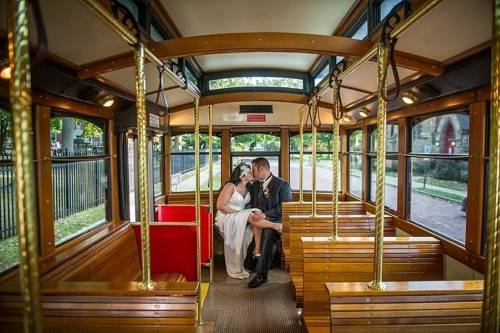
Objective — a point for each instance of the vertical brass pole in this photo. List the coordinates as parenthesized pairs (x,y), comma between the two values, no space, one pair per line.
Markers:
(491,299)
(142,152)
(382,56)
(210,182)
(20,101)
(197,202)
(301,155)
(335,168)
(313,156)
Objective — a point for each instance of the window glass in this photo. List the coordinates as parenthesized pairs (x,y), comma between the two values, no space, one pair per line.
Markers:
(182,163)
(255,142)
(322,74)
(72,137)
(391,135)
(158,162)
(324,162)
(256,81)
(355,141)
(438,195)
(156,35)
(391,182)
(386,6)
(191,77)
(79,187)
(9,252)
(443,134)
(362,32)
(355,174)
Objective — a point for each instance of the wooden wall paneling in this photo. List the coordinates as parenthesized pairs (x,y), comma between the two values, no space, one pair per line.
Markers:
(365,165)
(43,167)
(113,172)
(285,154)
(475,188)
(225,155)
(402,169)
(344,163)
(168,170)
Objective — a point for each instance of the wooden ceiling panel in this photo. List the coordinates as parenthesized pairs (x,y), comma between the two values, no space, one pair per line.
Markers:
(452,27)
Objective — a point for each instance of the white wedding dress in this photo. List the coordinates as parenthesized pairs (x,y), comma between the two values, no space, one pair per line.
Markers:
(237,234)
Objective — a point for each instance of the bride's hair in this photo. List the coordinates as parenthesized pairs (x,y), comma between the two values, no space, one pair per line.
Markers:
(241,170)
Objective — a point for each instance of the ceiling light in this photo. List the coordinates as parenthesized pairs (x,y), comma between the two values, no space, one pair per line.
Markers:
(346,118)
(364,112)
(107,101)
(5,71)
(409,97)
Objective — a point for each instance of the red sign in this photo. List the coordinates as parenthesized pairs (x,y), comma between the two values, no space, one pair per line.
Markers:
(255,118)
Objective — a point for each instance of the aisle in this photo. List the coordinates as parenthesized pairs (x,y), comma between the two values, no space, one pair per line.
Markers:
(231,307)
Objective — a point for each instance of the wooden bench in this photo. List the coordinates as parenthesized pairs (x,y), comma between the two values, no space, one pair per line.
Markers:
(305,208)
(98,291)
(409,307)
(349,226)
(350,259)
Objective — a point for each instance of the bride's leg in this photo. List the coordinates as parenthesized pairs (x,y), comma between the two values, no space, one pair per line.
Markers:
(257,234)
(262,224)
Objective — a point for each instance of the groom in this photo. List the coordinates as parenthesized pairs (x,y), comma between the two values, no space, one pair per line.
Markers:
(267,193)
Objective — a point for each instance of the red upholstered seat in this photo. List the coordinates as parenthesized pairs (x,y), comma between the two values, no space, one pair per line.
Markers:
(173,249)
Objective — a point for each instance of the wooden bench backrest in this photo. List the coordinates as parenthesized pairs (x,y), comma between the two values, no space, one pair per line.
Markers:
(350,259)
(108,307)
(409,307)
(114,259)
(349,226)
(305,208)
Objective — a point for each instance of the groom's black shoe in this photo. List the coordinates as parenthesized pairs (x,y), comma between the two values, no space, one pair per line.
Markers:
(257,281)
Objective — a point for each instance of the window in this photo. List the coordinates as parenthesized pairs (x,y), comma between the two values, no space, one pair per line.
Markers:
(385,8)
(79,175)
(355,162)
(190,77)
(158,165)
(324,173)
(391,166)
(361,32)
(322,74)
(182,163)
(439,173)
(9,255)
(256,81)
(247,147)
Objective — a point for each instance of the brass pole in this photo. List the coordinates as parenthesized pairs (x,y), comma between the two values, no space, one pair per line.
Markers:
(20,101)
(142,153)
(301,155)
(491,299)
(313,157)
(382,57)
(335,161)
(210,182)
(197,203)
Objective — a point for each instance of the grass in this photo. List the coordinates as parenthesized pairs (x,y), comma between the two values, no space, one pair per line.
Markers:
(451,184)
(65,228)
(9,253)
(441,194)
(68,226)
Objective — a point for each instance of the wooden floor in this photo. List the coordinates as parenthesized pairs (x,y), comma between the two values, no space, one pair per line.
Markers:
(231,307)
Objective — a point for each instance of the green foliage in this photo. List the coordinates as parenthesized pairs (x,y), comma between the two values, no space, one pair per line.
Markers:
(441,169)
(185,142)
(255,142)
(89,129)
(5,130)
(323,142)
(242,82)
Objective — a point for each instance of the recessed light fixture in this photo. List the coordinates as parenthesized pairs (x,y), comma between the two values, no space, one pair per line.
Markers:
(346,118)
(409,97)
(5,70)
(364,112)
(107,101)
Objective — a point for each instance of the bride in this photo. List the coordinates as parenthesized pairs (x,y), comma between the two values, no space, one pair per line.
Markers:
(237,224)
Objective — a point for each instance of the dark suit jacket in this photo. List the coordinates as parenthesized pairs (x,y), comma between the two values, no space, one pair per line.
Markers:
(279,191)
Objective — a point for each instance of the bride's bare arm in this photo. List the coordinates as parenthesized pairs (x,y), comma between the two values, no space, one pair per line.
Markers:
(224,197)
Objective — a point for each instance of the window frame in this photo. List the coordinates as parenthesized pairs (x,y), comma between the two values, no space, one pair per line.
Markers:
(255,154)
(350,153)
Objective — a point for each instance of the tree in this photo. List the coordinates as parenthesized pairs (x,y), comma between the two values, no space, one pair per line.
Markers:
(5,130)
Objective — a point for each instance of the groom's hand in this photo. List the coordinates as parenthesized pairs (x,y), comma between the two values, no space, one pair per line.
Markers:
(253,218)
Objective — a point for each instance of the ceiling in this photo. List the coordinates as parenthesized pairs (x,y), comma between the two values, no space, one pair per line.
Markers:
(201,17)
(78,36)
